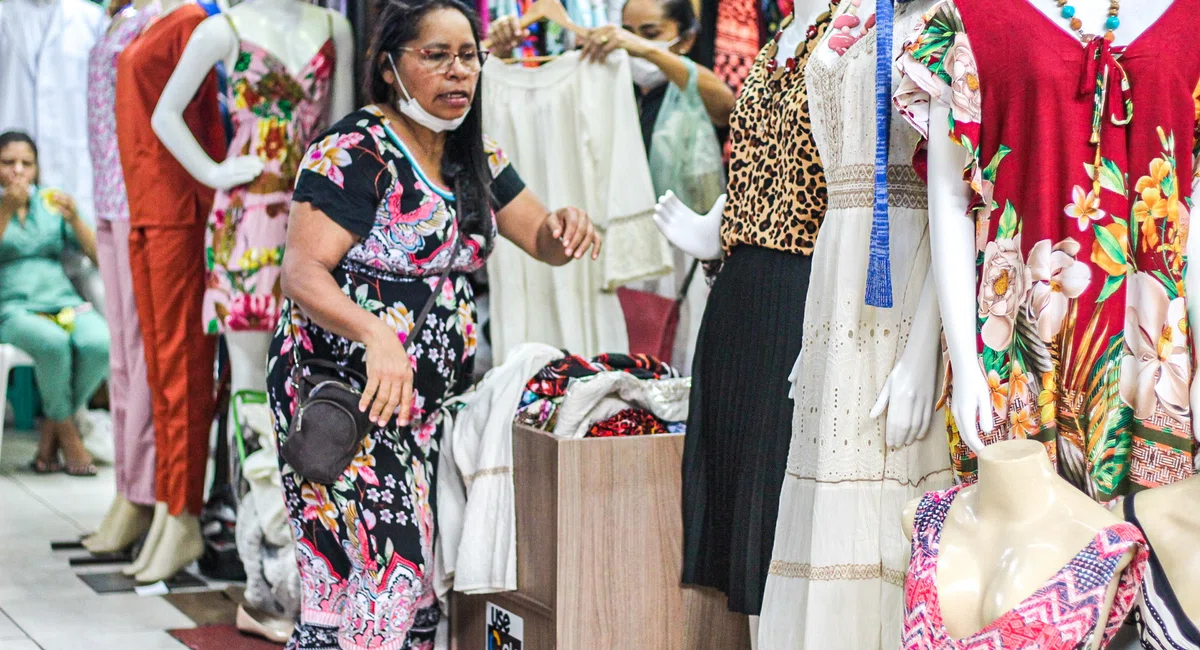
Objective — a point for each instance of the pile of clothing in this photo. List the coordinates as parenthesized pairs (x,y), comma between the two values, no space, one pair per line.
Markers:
(609,395)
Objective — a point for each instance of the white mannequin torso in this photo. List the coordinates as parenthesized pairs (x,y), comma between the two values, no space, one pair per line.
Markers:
(952,236)
(998,546)
(292,31)
(804,13)
(1170,518)
(863,9)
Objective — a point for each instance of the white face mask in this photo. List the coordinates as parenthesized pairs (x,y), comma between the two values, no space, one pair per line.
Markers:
(410,107)
(647,75)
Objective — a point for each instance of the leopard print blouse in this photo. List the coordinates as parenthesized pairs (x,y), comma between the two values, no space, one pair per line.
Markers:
(777,196)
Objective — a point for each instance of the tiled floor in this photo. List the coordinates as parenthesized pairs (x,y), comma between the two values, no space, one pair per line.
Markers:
(42,602)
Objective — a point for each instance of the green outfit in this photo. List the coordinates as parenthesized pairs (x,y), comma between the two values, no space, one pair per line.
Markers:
(43,315)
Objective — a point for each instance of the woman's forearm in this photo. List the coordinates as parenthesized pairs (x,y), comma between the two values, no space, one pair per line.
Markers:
(313,288)
(86,238)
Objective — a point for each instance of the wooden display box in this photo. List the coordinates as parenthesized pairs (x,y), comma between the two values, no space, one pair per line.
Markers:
(599,545)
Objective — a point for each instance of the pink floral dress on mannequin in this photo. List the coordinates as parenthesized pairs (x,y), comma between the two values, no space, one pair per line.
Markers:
(275,115)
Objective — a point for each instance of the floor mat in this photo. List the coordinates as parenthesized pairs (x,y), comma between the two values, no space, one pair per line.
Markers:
(206,607)
(117,582)
(220,637)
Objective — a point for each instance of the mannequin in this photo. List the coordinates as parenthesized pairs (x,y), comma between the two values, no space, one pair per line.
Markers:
(294,32)
(1171,522)
(166,243)
(1016,350)
(954,257)
(998,547)
(129,516)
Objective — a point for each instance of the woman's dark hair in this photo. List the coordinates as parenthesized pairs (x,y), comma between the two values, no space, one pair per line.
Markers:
(11,137)
(682,13)
(464,163)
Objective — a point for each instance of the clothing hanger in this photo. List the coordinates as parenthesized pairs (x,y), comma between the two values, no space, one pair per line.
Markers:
(553,11)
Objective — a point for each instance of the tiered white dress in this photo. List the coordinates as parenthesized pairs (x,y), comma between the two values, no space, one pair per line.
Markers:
(837,570)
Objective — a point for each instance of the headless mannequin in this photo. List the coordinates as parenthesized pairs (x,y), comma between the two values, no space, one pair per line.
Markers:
(952,236)
(291,30)
(999,547)
(1171,522)
(125,522)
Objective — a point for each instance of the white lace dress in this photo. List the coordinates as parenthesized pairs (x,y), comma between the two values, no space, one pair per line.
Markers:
(837,570)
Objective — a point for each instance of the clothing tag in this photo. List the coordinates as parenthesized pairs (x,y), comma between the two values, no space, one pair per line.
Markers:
(157,589)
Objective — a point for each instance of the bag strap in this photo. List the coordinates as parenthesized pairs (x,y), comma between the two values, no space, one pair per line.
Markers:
(687,282)
(437,288)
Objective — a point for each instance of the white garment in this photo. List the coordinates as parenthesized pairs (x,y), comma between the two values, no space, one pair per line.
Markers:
(474,479)
(602,396)
(571,130)
(690,313)
(43,87)
(838,565)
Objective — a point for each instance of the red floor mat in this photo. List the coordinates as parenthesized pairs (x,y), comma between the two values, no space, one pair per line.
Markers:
(220,637)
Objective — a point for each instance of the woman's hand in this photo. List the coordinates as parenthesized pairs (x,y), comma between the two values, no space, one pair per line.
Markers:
(65,205)
(389,378)
(506,35)
(575,230)
(15,199)
(602,41)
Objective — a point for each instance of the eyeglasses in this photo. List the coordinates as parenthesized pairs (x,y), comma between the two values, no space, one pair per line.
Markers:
(441,60)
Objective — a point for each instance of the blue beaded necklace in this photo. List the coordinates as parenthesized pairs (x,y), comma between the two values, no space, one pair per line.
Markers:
(1113,21)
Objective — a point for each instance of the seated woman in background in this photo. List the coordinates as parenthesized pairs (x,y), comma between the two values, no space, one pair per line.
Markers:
(657,34)
(40,311)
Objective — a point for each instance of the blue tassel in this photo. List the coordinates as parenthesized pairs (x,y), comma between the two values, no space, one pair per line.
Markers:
(879,267)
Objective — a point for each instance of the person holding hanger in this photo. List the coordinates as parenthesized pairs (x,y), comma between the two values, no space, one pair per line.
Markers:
(40,311)
(657,34)
(394,205)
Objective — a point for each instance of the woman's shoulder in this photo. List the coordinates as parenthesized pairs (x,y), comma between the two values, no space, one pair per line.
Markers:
(364,126)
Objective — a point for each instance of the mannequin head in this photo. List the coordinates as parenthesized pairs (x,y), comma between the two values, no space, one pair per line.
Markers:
(663,21)
(427,41)
(18,159)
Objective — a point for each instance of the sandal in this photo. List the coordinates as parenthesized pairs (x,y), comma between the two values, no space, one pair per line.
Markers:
(43,466)
(86,470)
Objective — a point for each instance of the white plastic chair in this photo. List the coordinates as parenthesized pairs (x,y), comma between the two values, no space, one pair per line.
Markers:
(10,357)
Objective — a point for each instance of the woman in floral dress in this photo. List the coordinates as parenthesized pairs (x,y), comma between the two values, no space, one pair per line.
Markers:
(374,222)
(1081,160)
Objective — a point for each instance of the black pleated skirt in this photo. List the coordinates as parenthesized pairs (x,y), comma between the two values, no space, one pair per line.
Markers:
(740,421)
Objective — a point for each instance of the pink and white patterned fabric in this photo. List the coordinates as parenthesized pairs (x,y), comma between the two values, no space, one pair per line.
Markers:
(108,182)
(1061,615)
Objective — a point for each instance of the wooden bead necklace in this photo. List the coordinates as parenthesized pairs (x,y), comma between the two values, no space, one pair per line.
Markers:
(1111,24)
(774,70)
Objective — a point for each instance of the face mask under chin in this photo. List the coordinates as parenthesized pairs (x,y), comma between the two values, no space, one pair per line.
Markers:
(411,108)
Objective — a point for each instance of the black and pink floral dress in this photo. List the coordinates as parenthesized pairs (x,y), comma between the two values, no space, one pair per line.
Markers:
(365,543)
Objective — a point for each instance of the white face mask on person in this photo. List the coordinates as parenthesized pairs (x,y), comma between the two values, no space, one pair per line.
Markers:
(410,107)
(647,75)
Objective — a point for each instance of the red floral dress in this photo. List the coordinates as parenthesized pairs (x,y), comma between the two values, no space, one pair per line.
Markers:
(1081,158)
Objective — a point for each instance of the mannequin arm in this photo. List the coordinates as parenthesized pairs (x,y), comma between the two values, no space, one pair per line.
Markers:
(1191,282)
(952,244)
(698,235)
(208,45)
(343,73)
(908,395)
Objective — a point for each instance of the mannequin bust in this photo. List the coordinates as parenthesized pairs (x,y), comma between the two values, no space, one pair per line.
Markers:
(998,546)
(1170,519)
(952,237)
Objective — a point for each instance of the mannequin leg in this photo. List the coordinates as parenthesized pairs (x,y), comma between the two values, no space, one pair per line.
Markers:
(247,363)
(754,632)
(153,537)
(168,278)
(131,512)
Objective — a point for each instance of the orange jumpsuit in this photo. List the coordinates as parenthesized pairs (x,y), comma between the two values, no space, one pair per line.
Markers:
(167,210)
